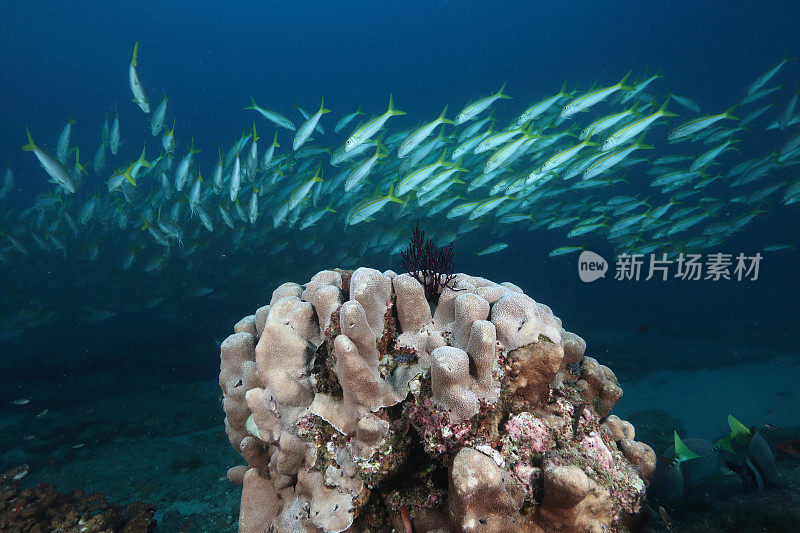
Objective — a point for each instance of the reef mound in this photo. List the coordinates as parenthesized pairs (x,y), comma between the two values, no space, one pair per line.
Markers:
(361,406)
(43,509)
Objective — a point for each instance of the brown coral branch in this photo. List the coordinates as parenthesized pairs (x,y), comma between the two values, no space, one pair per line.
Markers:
(429,264)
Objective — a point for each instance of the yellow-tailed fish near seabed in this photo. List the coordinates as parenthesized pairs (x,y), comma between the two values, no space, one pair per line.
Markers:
(99,161)
(157,121)
(688,103)
(313,218)
(540,107)
(468,146)
(168,139)
(768,75)
(495,140)
(194,193)
(779,247)
(303,191)
(473,130)
(182,174)
(251,162)
(8,183)
(17,245)
(680,176)
(421,174)
(157,233)
(62,147)
(686,223)
(272,116)
(560,222)
(488,205)
(370,128)
(306,115)
(661,210)
(305,131)
(418,155)
(758,95)
(139,163)
(426,197)
(118,178)
(602,124)
(236,178)
(493,248)
(583,228)
(710,155)
(346,120)
(269,153)
(611,159)
(113,136)
(139,96)
(104,131)
(443,204)
(279,215)
(627,222)
(460,209)
(788,111)
(474,109)
(88,209)
(436,181)
(589,99)
(695,125)
(563,156)
(579,166)
(361,170)
(369,207)
(759,196)
(226,217)
(78,168)
(506,152)
(216,177)
(639,88)
(252,206)
(635,128)
(420,134)
(53,168)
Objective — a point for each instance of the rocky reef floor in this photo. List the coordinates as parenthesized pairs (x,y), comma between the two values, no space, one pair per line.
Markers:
(137,434)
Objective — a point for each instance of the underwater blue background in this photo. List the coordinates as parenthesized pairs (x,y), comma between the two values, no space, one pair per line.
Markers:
(67,59)
(63,59)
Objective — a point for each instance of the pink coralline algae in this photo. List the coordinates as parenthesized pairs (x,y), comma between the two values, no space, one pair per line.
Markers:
(359,403)
(596,448)
(528,432)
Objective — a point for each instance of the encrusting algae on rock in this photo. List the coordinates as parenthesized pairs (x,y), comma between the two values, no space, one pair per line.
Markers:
(360,405)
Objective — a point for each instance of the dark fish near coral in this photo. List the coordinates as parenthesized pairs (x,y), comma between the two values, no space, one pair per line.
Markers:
(792,447)
(665,517)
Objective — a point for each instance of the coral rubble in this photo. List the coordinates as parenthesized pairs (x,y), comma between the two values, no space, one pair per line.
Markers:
(360,404)
(43,509)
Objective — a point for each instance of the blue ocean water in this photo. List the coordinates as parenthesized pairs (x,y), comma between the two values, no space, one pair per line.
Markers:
(144,378)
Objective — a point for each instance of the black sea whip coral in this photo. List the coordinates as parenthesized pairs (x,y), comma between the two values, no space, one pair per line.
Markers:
(431,265)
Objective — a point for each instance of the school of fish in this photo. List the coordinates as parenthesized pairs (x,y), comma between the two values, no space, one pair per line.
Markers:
(348,186)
